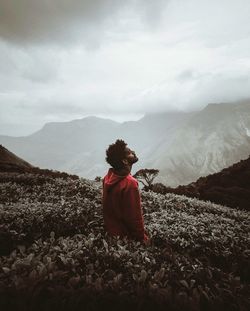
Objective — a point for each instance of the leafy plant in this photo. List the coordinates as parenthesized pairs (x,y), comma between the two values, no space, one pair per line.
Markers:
(146,177)
(57,252)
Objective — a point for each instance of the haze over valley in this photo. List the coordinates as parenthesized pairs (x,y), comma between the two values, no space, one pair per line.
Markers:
(183,146)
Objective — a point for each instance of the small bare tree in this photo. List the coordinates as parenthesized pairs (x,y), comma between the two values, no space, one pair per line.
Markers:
(146,177)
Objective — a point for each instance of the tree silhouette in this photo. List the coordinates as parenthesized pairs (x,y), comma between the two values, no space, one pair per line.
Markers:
(146,177)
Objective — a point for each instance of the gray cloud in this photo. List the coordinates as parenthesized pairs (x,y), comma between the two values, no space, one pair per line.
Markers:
(34,21)
(62,21)
(21,67)
(193,90)
(62,60)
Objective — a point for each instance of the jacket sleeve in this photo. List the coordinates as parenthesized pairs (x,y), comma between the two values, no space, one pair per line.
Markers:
(133,214)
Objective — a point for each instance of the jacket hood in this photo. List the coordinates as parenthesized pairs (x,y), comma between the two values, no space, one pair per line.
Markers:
(112,179)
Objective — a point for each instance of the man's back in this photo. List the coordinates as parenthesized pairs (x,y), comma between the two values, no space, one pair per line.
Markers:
(122,206)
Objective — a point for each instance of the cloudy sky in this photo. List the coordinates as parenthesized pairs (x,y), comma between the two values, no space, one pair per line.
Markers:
(62,60)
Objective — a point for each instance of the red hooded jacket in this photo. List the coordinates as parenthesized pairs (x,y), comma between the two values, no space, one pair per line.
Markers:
(122,210)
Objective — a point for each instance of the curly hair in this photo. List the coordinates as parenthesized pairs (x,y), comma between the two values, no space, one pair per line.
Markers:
(116,153)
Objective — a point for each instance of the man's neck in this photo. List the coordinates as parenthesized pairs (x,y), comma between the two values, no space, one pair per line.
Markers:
(124,171)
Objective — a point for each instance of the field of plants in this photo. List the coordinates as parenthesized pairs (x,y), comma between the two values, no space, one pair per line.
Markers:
(55,255)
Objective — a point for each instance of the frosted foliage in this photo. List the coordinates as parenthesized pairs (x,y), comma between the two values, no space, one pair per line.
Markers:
(51,232)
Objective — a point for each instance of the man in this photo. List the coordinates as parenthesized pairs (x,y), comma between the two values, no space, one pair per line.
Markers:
(122,210)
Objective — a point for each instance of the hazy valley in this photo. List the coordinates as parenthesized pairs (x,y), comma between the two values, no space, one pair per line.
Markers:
(183,146)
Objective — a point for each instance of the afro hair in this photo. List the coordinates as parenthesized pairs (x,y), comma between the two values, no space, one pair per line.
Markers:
(116,153)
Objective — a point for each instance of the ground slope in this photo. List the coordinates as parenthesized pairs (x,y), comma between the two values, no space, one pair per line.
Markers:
(10,162)
(57,256)
(230,187)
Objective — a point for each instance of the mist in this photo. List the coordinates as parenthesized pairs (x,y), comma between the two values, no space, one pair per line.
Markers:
(120,60)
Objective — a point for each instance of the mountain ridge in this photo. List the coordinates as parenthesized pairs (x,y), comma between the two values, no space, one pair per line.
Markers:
(182,145)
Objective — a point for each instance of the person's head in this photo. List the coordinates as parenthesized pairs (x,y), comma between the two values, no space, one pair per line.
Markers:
(119,156)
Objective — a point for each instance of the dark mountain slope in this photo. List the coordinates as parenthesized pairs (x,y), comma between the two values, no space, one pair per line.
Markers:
(230,187)
(10,162)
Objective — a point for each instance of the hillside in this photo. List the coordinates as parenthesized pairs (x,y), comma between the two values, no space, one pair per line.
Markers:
(230,187)
(183,146)
(55,254)
(211,140)
(10,162)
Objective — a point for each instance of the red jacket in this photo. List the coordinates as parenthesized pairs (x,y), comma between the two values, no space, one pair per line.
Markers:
(122,210)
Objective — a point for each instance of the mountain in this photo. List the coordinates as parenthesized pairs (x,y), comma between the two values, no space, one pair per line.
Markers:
(74,147)
(211,140)
(10,165)
(79,146)
(230,187)
(10,162)
(183,146)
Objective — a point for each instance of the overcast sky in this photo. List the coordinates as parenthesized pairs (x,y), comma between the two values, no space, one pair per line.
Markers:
(62,60)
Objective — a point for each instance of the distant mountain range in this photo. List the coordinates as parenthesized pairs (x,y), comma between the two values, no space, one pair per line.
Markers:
(183,146)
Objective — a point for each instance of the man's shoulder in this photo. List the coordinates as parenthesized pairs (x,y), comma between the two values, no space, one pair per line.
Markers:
(131,181)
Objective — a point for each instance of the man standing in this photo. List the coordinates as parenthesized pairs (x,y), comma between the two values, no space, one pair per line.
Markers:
(122,211)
